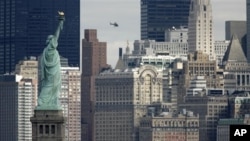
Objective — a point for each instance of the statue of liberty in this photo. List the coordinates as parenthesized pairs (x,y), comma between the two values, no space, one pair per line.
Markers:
(50,77)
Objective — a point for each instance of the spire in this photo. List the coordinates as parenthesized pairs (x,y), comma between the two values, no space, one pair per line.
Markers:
(127,48)
(234,51)
(120,63)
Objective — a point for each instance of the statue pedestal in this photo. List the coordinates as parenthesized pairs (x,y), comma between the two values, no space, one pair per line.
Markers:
(48,125)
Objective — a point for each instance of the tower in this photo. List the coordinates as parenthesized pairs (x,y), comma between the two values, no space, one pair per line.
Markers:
(160,15)
(25,25)
(248,30)
(16,106)
(70,100)
(200,28)
(94,59)
(238,28)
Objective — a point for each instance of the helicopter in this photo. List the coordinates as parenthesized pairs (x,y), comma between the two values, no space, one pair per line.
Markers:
(114,24)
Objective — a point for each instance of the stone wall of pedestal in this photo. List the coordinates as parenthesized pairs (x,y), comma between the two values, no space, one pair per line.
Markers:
(48,125)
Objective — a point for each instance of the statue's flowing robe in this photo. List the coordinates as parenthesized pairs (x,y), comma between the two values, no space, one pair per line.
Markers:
(50,79)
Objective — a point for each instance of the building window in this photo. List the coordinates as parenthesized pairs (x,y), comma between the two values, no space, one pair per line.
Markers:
(238,80)
(205,8)
(53,129)
(46,129)
(247,79)
(41,129)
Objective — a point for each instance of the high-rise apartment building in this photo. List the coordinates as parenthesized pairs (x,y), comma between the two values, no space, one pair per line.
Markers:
(16,107)
(28,69)
(25,25)
(160,15)
(94,59)
(200,28)
(70,99)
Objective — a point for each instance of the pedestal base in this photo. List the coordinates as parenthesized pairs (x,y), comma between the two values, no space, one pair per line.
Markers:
(48,125)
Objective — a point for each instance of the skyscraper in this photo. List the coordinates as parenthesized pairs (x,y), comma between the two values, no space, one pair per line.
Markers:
(71,102)
(25,25)
(235,27)
(248,30)
(238,28)
(200,27)
(160,15)
(94,59)
(16,106)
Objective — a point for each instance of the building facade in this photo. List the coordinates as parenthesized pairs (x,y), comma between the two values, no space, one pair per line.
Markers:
(198,64)
(239,106)
(236,68)
(248,30)
(25,25)
(70,99)
(16,107)
(177,34)
(235,27)
(94,59)
(175,49)
(210,110)
(220,48)
(238,28)
(28,69)
(122,97)
(200,28)
(223,128)
(166,126)
(160,15)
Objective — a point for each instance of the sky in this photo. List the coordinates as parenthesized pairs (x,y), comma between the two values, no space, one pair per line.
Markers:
(97,14)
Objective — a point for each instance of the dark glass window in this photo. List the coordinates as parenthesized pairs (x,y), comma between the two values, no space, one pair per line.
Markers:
(46,129)
(204,8)
(41,129)
(53,129)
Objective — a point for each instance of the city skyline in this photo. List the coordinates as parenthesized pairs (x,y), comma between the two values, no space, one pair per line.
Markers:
(92,12)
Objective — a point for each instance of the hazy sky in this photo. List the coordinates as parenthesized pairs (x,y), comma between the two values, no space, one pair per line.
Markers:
(97,14)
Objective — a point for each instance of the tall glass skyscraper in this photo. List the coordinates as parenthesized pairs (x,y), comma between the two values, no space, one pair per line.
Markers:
(25,25)
(160,15)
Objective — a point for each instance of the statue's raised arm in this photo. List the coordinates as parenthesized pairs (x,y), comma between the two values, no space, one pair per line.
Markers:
(50,72)
(60,26)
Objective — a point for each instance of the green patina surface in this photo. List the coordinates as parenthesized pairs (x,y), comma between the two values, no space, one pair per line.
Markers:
(50,68)
(230,121)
